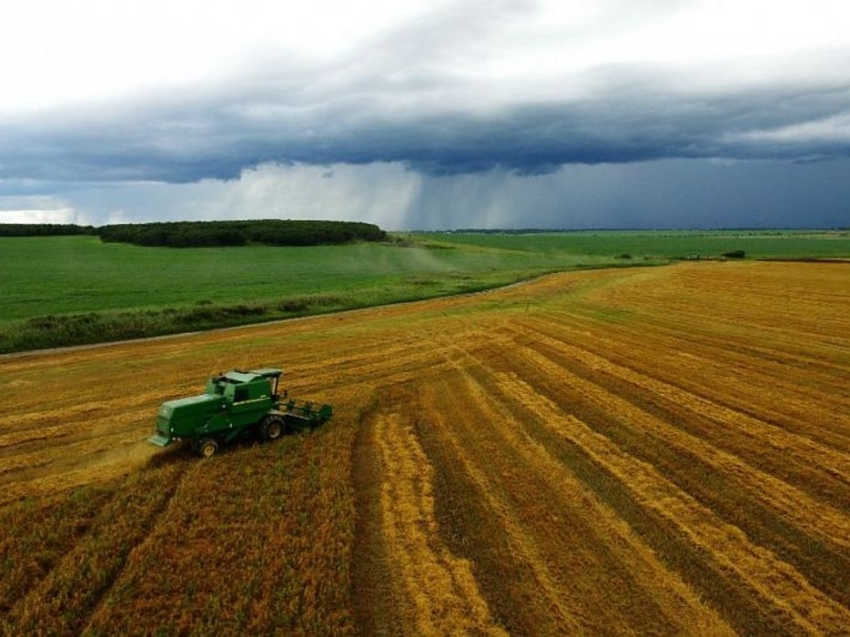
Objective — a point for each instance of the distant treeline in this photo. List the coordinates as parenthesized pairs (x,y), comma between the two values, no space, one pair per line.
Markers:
(43,229)
(276,232)
(196,234)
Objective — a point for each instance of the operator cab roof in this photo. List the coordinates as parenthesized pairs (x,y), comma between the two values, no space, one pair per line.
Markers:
(267,371)
(240,376)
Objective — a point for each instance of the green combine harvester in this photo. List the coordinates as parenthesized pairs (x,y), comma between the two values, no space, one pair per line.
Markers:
(235,405)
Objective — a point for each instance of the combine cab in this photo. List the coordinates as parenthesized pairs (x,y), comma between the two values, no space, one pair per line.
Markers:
(234,405)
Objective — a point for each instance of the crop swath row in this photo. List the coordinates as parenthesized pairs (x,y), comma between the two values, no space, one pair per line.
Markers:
(662,450)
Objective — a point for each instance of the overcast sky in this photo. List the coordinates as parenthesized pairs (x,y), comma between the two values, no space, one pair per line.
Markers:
(429,114)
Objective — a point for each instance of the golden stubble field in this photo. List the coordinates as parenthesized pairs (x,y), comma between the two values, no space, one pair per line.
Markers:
(643,451)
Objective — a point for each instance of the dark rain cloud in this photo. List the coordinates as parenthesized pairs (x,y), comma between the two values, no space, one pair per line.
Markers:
(190,141)
(396,99)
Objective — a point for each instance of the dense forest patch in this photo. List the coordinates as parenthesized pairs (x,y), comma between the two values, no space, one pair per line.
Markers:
(276,232)
(43,229)
(196,234)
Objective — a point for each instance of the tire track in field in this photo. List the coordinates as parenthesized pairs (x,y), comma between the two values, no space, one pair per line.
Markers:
(169,477)
(377,609)
(711,433)
(802,447)
(75,462)
(783,592)
(439,589)
(37,435)
(739,494)
(528,571)
(705,368)
(368,366)
(579,540)
(760,310)
(713,341)
(70,593)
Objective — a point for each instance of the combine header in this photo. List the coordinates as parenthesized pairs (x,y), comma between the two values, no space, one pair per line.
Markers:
(235,404)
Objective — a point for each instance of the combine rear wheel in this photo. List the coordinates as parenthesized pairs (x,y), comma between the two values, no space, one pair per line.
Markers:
(207,447)
(272,428)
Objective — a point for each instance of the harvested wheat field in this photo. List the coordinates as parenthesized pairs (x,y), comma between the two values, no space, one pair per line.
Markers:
(641,451)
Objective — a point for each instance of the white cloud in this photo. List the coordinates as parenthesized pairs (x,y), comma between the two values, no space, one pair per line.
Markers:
(69,52)
(738,30)
(38,209)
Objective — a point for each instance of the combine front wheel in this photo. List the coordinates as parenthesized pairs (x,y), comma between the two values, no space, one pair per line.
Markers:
(272,428)
(207,448)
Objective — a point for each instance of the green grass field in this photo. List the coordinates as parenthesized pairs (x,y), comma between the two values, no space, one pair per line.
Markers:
(668,244)
(59,275)
(72,290)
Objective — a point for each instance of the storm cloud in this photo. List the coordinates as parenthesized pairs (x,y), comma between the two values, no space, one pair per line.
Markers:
(632,114)
(468,95)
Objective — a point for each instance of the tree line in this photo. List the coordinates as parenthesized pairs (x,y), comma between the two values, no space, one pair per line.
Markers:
(193,234)
(43,229)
